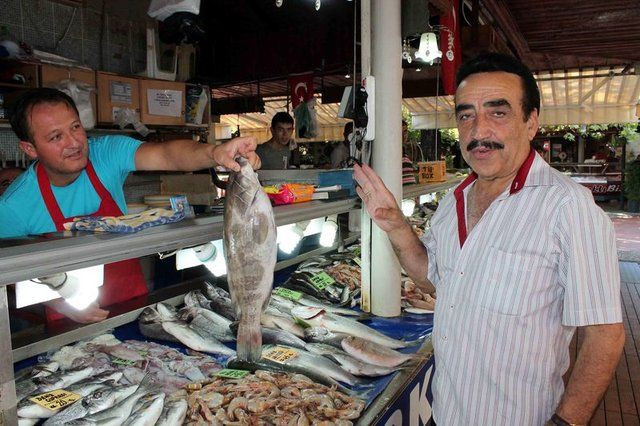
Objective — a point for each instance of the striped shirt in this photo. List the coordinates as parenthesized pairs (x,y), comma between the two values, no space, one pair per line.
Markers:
(541,261)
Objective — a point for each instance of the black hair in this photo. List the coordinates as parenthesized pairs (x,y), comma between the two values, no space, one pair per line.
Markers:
(348,128)
(494,62)
(281,117)
(21,108)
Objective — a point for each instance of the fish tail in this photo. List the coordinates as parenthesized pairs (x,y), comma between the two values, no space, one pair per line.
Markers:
(249,340)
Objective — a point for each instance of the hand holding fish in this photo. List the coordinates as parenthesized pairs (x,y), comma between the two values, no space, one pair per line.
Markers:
(378,200)
(226,154)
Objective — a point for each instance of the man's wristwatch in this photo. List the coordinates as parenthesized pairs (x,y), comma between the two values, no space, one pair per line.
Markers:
(556,420)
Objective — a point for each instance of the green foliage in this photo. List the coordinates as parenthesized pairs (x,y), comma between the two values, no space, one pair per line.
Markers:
(448,137)
(414,135)
(632,181)
(596,132)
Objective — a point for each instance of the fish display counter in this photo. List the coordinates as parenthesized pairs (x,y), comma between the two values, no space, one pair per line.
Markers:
(381,395)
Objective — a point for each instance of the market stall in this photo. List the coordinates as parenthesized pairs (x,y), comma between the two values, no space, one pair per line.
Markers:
(35,257)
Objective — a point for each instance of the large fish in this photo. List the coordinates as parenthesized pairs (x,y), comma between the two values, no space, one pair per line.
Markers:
(250,251)
(319,318)
(373,353)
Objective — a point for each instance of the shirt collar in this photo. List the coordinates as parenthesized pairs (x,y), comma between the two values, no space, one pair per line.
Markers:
(533,172)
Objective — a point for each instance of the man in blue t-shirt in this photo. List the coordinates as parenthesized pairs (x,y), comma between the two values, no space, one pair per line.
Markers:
(76,176)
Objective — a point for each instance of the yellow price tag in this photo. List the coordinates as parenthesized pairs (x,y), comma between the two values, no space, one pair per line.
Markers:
(279,354)
(55,399)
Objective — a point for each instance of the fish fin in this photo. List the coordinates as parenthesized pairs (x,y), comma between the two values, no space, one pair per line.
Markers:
(249,338)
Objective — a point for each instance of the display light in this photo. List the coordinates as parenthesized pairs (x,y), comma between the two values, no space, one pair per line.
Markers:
(211,255)
(289,237)
(408,206)
(428,49)
(78,287)
(329,231)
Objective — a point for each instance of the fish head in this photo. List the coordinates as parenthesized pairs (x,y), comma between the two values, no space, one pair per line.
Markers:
(318,333)
(166,312)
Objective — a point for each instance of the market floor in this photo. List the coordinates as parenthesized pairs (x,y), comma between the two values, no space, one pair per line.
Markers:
(621,403)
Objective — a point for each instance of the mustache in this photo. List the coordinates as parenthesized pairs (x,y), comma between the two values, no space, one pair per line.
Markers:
(484,144)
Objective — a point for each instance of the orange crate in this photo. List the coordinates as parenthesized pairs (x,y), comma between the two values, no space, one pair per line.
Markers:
(432,171)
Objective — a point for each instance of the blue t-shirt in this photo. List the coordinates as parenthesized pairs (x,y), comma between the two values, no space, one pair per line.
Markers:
(22,208)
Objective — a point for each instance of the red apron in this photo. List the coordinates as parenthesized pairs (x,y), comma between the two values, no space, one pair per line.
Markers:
(122,280)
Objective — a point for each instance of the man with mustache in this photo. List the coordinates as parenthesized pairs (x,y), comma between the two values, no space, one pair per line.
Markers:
(77,176)
(520,256)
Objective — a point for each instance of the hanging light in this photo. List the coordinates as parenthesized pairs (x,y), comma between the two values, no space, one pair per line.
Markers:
(279,3)
(428,49)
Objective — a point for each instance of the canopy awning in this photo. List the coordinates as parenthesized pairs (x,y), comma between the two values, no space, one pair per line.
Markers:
(591,96)
(588,96)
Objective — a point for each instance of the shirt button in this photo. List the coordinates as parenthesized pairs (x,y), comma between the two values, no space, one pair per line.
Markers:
(451,306)
(461,273)
(444,337)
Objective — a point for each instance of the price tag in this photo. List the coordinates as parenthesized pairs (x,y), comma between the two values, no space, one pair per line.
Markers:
(357,252)
(228,373)
(55,399)
(121,361)
(288,294)
(279,354)
(358,261)
(321,280)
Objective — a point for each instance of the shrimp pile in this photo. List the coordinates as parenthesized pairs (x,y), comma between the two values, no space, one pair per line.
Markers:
(269,398)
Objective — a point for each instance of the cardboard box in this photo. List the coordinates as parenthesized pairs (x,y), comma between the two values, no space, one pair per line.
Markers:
(432,171)
(162,102)
(51,75)
(198,188)
(115,92)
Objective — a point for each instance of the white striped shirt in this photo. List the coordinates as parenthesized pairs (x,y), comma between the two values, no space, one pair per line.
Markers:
(541,261)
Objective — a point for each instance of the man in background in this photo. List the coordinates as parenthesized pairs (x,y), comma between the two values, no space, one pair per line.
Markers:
(277,152)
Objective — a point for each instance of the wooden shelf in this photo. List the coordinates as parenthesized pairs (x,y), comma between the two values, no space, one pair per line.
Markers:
(16,86)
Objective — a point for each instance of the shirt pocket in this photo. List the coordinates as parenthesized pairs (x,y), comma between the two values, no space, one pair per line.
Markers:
(508,286)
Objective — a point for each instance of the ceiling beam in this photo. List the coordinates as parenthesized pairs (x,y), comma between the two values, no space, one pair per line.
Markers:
(443,6)
(503,18)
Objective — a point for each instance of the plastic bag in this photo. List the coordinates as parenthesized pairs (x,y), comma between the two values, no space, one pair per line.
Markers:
(125,116)
(162,9)
(306,119)
(290,193)
(81,95)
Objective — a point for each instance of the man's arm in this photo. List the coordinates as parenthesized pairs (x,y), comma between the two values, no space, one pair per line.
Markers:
(384,211)
(592,373)
(187,155)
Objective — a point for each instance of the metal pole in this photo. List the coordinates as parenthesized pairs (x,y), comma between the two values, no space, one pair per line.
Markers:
(386,61)
(7,383)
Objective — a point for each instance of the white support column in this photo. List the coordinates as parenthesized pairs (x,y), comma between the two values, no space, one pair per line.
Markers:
(386,59)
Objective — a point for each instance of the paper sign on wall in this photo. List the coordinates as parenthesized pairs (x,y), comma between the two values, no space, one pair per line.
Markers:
(120,92)
(164,102)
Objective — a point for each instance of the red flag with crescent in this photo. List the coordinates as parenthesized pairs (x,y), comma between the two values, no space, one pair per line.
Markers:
(301,87)
(450,47)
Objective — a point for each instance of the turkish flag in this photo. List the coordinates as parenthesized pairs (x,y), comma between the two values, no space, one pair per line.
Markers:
(450,47)
(301,87)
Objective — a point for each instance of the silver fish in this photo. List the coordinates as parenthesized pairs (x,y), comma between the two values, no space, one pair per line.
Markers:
(147,413)
(322,335)
(285,323)
(220,301)
(39,370)
(318,317)
(349,363)
(250,251)
(117,413)
(29,409)
(150,325)
(97,401)
(173,413)
(373,353)
(202,319)
(307,300)
(188,336)
(277,337)
(62,379)
(23,421)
